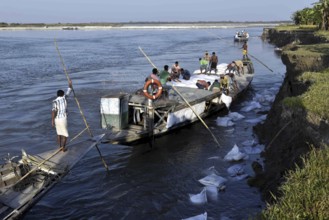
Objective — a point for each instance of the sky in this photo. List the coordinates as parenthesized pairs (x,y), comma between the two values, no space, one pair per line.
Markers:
(87,11)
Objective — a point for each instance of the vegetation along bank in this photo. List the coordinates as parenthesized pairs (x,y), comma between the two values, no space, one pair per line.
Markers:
(294,180)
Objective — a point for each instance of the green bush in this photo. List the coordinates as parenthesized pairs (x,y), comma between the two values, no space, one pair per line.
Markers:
(316,99)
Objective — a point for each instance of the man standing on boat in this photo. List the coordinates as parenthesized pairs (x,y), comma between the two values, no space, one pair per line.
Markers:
(207,58)
(59,116)
(203,65)
(245,51)
(213,62)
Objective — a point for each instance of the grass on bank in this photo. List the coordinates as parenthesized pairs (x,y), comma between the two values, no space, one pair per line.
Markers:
(293,27)
(313,28)
(306,191)
(324,34)
(316,98)
(312,50)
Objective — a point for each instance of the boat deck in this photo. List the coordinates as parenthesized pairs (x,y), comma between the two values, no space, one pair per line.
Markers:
(173,102)
(47,170)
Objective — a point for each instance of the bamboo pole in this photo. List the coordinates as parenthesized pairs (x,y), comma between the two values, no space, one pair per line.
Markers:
(77,101)
(259,61)
(184,100)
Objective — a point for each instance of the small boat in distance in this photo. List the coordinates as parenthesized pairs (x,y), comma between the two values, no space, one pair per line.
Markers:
(241,36)
(70,28)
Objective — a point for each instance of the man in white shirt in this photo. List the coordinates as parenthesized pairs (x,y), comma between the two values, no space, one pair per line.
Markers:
(59,116)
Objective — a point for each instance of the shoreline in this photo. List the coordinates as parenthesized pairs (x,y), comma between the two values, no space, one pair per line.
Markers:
(151,25)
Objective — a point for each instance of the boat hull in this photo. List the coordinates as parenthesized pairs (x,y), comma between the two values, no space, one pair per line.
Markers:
(173,107)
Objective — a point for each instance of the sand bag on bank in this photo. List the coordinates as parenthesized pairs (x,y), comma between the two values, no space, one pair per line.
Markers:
(198,217)
(224,121)
(199,198)
(213,180)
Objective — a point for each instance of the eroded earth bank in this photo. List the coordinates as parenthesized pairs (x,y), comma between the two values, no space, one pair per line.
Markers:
(291,128)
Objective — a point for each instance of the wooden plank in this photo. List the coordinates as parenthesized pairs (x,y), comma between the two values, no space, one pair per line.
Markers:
(66,160)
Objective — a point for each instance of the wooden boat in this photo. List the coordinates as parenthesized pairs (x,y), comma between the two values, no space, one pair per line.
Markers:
(25,182)
(241,36)
(133,117)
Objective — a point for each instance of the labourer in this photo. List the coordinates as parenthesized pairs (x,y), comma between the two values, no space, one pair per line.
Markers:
(164,78)
(203,65)
(239,66)
(153,75)
(175,71)
(153,89)
(164,75)
(185,74)
(245,51)
(232,82)
(224,84)
(215,86)
(206,56)
(59,116)
(231,68)
(202,84)
(213,62)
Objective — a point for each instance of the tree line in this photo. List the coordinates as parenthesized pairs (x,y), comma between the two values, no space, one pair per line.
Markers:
(317,15)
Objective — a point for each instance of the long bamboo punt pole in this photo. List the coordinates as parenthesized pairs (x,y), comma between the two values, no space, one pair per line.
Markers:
(77,101)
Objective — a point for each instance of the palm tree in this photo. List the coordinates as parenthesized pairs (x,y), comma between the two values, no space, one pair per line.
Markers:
(323,7)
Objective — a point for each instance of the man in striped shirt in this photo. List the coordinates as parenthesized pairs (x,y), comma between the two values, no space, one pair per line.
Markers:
(59,116)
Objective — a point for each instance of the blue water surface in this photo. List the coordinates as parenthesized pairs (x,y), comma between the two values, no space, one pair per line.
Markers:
(143,183)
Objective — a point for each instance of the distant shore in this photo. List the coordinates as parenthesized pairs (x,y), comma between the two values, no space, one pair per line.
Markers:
(137,25)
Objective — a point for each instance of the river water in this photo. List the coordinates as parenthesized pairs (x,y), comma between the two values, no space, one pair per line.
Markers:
(143,183)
